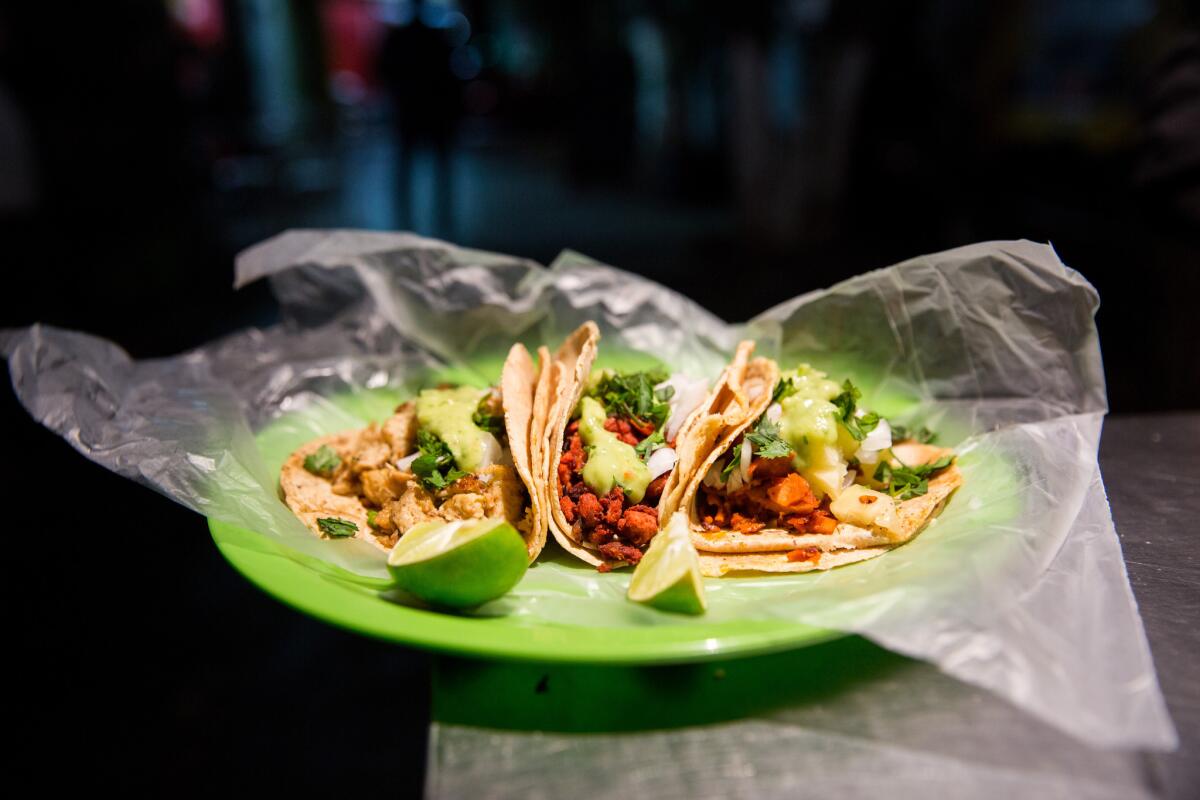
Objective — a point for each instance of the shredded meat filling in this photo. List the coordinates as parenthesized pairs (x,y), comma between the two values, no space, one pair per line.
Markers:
(776,496)
(398,498)
(619,529)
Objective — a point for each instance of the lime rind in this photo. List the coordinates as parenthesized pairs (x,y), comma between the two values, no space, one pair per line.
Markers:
(459,564)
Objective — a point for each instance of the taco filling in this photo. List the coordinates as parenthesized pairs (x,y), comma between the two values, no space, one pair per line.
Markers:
(444,456)
(617,455)
(812,460)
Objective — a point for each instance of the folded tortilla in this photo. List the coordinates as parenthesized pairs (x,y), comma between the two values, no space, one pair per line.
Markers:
(739,390)
(724,551)
(493,491)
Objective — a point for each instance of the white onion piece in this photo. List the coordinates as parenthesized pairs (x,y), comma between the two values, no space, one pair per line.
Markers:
(661,461)
(878,439)
(405,464)
(689,393)
(774,412)
(848,479)
(734,482)
(744,466)
(867,456)
(492,451)
(712,478)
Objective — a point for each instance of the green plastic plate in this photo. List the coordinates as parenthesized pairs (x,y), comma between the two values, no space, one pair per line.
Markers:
(368,605)
(364,606)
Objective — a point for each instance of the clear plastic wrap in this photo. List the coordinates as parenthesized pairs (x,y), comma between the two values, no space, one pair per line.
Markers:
(1019,586)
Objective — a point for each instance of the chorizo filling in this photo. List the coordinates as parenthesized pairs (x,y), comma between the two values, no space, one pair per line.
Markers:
(617,456)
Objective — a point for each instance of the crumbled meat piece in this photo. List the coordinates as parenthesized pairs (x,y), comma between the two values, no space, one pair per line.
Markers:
(382,486)
(614,505)
(655,489)
(812,554)
(638,525)
(589,510)
(400,430)
(602,533)
(616,551)
(568,507)
(744,524)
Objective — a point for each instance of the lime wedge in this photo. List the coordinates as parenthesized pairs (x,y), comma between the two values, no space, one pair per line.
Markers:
(459,564)
(668,576)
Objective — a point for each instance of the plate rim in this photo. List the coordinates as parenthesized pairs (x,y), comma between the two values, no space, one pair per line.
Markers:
(493,638)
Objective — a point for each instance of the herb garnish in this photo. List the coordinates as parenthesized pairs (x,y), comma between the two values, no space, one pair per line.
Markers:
(487,421)
(336,528)
(633,396)
(371,514)
(435,467)
(323,462)
(765,442)
(734,458)
(904,482)
(922,434)
(784,388)
(847,403)
(647,445)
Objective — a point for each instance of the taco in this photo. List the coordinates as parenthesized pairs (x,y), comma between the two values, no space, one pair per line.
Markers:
(621,446)
(811,481)
(454,452)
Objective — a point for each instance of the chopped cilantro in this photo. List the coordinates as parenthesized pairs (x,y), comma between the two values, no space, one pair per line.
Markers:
(734,458)
(371,514)
(785,388)
(435,467)
(336,528)
(923,435)
(323,462)
(486,420)
(647,445)
(904,482)
(632,396)
(765,442)
(847,406)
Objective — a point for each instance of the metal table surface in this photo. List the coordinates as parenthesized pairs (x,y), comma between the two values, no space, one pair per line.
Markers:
(898,728)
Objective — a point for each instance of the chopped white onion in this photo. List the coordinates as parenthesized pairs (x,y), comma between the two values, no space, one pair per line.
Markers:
(405,464)
(492,451)
(689,393)
(661,461)
(734,482)
(712,478)
(744,465)
(774,412)
(848,479)
(878,439)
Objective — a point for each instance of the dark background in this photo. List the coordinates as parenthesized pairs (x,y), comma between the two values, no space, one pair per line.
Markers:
(741,153)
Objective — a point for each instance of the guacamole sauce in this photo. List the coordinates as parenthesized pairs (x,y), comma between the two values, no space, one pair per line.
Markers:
(610,461)
(447,414)
(809,424)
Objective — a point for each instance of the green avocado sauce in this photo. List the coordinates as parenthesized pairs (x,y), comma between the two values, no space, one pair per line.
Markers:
(809,424)
(610,461)
(447,414)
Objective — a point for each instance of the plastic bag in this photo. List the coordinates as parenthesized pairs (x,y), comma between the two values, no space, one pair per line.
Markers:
(1018,587)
